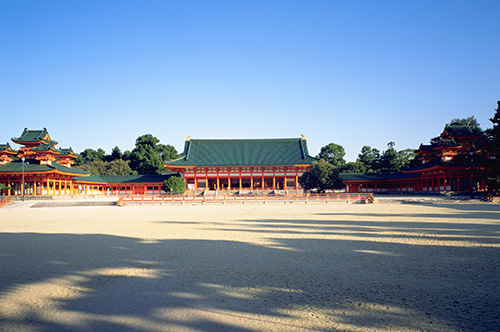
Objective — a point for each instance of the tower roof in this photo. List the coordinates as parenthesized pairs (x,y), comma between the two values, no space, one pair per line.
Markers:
(34,136)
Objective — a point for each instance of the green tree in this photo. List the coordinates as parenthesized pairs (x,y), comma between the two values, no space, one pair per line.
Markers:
(126,155)
(145,158)
(174,185)
(307,181)
(323,175)
(4,186)
(492,175)
(370,158)
(471,122)
(90,155)
(407,157)
(116,154)
(353,167)
(390,160)
(167,152)
(95,167)
(333,153)
(119,167)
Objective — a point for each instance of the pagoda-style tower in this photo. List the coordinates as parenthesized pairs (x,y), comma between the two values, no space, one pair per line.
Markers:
(6,153)
(38,145)
(66,157)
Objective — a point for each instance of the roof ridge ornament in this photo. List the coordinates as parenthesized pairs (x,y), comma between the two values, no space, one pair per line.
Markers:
(303,137)
(188,138)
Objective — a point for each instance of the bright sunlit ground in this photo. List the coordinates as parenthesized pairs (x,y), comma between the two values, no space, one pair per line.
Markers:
(295,267)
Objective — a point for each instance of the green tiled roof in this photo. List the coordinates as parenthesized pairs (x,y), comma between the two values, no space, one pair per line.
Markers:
(32,136)
(124,178)
(461,131)
(6,147)
(45,147)
(376,176)
(17,167)
(65,152)
(244,152)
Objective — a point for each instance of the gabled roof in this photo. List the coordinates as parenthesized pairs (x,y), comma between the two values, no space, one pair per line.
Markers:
(45,147)
(376,176)
(33,136)
(17,167)
(5,148)
(243,152)
(66,152)
(460,131)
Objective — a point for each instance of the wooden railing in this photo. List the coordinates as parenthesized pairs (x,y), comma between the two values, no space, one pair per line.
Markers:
(4,201)
(366,197)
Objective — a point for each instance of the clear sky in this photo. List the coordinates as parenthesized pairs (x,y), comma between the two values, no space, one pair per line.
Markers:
(98,74)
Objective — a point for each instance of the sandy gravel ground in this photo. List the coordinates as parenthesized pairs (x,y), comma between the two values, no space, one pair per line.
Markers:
(295,267)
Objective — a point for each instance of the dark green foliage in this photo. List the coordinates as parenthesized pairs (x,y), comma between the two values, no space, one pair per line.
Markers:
(90,155)
(3,186)
(120,167)
(307,181)
(115,167)
(321,175)
(370,158)
(145,158)
(390,161)
(353,167)
(407,158)
(333,153)
(116,154)
(174,185)
(471,122)
(492,176)
(126,155)
(167,152)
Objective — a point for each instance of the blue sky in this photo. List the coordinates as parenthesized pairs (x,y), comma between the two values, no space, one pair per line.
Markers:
(98,74)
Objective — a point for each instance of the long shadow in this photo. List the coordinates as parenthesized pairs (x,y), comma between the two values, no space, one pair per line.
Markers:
(478,233)
(114,282)
(459,211)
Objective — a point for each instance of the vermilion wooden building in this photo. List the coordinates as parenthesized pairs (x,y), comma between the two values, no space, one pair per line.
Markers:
(452,162)
(244,164)
(46,170)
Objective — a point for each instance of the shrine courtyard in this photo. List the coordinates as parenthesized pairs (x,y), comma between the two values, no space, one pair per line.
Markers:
(307,267)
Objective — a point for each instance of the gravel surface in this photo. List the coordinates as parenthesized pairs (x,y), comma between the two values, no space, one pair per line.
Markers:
(328,267)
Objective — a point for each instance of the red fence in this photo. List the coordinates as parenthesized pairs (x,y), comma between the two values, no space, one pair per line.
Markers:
(4,201)
(247,197)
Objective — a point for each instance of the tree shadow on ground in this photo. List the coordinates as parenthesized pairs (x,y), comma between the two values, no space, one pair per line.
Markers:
(93,282)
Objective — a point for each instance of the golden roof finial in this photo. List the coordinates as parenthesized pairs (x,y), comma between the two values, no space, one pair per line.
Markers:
(188,138)
(303,136)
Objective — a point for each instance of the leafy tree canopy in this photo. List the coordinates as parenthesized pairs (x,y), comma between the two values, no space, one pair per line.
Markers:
(390,161)
(4,186)
(115,167)
(145,158)
(471,121)
(353,167)
(116,154)
(493,174)
(321,175)
(90,155)
(370,158)
(174,185)
(167,152)
(333,153)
